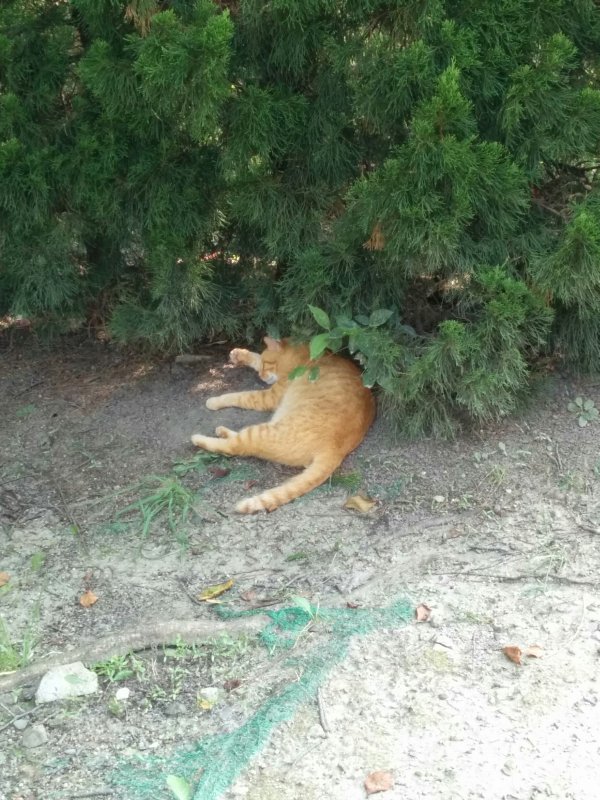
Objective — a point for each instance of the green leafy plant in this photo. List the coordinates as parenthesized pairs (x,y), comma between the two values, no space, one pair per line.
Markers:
(585,410)
(114,669)
(236,168)
(14,653)
(162,500)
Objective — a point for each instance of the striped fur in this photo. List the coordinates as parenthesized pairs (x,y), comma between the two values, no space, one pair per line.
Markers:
(314,425)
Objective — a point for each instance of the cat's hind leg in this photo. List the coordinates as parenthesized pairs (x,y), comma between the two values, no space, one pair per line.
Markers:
(222,445)
(224,433)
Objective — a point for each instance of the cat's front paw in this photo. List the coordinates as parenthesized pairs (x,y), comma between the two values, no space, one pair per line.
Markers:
(213,403)
(240,356)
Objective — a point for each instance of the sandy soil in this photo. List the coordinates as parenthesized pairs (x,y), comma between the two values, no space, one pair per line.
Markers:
(498,532)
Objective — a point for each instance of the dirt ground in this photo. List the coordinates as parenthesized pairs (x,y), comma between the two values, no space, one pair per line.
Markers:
(497,532)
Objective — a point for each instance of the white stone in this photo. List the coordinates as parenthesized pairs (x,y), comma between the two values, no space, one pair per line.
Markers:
(35,736)
(122,693)
(211,694)
(68,680)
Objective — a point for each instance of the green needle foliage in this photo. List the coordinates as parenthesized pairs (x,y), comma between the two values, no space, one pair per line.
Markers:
(178,169)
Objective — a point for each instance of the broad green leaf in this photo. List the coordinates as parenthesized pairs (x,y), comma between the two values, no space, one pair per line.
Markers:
(345,322)
(582,422)
(313,374)
(572,407)
(588,404)
(318,344)
(297,372)
(320,316)
(379,317)
(579,402)
(361,319)
(180,787)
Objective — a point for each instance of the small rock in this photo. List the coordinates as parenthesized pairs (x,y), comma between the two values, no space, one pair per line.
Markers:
(210,693)
(122,693)
(439,498)
(508,767)
(21,723)
(69,680)
(174,709)
(35,736)
(27,693)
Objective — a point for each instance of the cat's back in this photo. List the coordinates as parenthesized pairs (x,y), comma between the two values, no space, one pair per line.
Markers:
(335,403)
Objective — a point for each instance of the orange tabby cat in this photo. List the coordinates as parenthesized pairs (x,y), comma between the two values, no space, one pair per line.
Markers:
(315,424)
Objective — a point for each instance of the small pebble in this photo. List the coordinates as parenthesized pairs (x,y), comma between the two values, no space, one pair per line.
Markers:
(35,736)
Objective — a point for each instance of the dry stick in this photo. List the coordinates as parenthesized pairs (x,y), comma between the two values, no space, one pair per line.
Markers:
(516,578)
(322,715)
(141,638)
(17,716)
(90,793)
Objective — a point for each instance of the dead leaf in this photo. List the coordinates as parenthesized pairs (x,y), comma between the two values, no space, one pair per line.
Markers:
(250,484)
(534,651)
(360,502)
(379,782)
(231,684)
(513,653)
(351,604)
(422,612)
(4,578)
(211,592)
(248,596)
(88,599)
(219,472)
(377,240)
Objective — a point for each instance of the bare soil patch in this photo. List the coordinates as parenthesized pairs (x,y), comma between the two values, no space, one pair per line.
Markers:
(498,532)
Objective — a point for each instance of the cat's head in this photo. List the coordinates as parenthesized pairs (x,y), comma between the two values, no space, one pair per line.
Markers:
(279,359)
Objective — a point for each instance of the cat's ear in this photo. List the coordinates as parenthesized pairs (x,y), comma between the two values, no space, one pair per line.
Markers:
(272,344)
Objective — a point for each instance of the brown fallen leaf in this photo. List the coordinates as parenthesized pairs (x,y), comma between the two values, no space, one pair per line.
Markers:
(422,612)
(249,596)
(211,592)
(219,472)
(379,782)
(534,651)
(250,484)
(231,684)
(376,240)
(513,653)
(4,578)
(360,502)
(88,599)
(351,604)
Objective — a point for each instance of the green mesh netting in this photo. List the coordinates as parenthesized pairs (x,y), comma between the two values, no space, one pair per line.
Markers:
(212,764)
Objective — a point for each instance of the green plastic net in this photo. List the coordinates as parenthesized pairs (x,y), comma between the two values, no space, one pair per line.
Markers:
(211,765)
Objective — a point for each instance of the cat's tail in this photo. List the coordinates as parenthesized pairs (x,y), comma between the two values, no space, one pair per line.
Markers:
(314,475)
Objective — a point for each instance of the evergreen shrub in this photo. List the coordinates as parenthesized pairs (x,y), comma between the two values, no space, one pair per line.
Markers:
(415,181)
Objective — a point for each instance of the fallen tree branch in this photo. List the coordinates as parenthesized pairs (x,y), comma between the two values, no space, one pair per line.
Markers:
(482,576)
(142,637)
